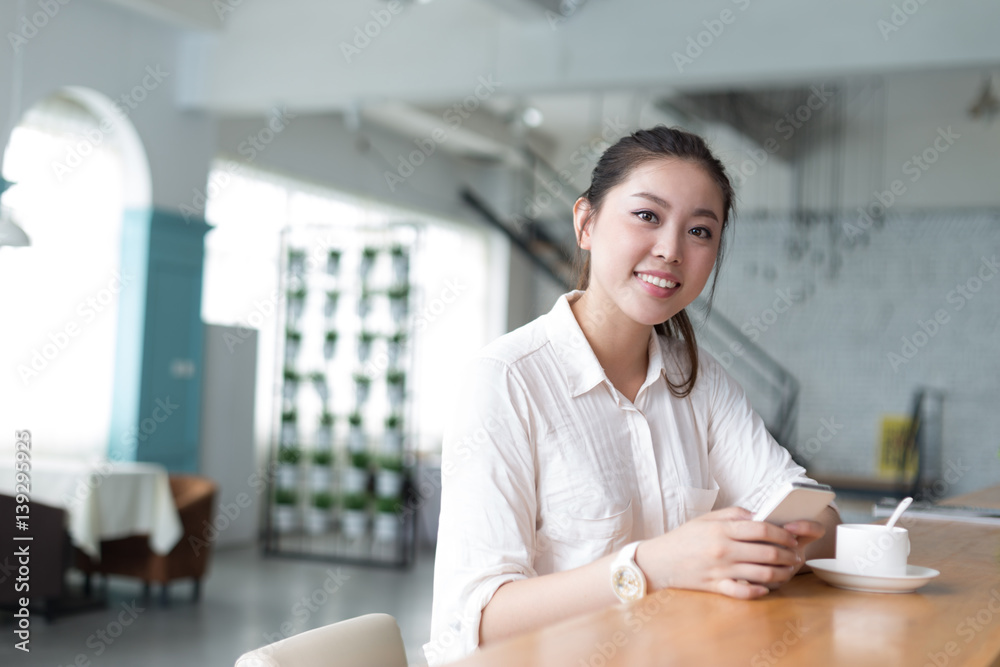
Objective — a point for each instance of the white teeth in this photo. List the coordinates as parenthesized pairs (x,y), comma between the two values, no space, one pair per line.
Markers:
(659,282)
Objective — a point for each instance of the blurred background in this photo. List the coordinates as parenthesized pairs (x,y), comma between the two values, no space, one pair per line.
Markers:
(238,234)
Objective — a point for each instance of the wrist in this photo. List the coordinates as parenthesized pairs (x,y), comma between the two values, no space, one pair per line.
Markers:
(628,581)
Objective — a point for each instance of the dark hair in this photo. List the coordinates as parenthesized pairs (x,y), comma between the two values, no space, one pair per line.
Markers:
(615,165)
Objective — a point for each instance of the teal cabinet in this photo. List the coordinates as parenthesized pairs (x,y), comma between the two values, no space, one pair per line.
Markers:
(156,413)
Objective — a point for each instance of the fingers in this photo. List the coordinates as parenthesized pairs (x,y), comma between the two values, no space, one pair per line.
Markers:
(741,589)
(727,514)
(761,531)
(808,529)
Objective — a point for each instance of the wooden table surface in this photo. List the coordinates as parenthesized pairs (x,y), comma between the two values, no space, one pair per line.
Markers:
(953,620)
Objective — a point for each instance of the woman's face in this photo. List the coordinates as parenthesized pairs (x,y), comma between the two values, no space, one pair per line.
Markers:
(654,240)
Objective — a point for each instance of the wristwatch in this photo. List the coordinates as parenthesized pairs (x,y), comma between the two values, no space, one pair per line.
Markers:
(627,580)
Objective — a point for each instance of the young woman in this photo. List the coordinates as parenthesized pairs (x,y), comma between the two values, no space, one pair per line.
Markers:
(591,446)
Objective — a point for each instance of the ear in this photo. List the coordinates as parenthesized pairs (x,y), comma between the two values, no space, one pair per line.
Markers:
(582,222)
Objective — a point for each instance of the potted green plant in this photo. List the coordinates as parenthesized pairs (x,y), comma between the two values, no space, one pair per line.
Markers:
(291,384)
(319,383)
(333,262)
(362,383)
(355,434)
(330,344)
(330,306)
(395,380)
(355,475)
(388,513)
(296,303)
(318,514)
(389,479)
(321,472)
(395,347)
(392,437)
(293,343)
(354,515)
(398,295)
(284,512)
(324,433)
(297,262)
(367,261)
(400,263)
(288,466)
(365,340)
(289,427)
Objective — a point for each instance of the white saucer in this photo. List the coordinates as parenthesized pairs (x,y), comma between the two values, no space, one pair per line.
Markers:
(915,577)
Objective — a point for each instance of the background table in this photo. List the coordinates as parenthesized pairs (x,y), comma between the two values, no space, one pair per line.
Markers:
(105,500)
(953,620)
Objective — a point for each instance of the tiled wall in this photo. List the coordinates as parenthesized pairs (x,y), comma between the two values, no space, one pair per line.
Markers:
(832,309)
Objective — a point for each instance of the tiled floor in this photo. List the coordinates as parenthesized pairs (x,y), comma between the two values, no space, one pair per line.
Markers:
(248,601)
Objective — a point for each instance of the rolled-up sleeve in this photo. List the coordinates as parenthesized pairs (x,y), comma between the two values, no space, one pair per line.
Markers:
(486,534)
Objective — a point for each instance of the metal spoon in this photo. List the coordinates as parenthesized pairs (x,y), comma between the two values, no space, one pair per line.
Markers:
(898,512)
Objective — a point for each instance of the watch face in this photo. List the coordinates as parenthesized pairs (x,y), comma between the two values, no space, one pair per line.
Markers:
(627,584)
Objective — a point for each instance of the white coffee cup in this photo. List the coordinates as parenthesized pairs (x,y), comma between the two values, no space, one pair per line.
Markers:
(872,550)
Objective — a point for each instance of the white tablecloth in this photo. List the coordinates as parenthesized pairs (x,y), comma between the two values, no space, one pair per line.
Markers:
(105,500)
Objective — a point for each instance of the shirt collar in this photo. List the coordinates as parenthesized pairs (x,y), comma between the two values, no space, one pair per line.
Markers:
(577,360)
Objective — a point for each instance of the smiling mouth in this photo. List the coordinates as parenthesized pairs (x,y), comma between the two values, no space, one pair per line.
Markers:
(658,282)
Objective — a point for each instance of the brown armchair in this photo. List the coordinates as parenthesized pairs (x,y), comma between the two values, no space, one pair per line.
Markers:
(132,557)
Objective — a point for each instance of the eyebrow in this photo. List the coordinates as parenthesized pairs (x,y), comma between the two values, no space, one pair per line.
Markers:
(702,212)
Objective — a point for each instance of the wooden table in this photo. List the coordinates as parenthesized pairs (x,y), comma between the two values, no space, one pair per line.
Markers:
(953,620)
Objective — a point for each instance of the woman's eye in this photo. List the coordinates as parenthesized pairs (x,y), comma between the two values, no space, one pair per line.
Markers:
(702,232)
(648,216)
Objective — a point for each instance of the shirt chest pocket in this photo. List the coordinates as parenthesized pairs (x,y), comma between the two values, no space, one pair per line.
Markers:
(568,540)
(684,503)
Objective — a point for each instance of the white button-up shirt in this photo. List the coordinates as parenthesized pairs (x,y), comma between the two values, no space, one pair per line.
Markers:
(548,467)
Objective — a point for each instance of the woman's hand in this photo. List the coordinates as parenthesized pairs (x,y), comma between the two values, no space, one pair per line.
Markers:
(727,552)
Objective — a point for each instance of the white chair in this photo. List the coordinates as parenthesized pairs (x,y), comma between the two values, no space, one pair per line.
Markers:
(366,641)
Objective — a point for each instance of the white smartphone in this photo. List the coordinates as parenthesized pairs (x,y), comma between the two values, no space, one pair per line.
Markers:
(795,501)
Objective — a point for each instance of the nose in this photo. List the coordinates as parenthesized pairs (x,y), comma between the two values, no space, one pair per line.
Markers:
(668,245)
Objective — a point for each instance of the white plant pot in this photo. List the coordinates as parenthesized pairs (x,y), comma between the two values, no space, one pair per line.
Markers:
(356,440)
(295,308)
(322,390)
(332,265)
(392,442)
(354,480)
(287,476)
(400,269)
(285,518)
(365,267)
(320,478)
(324,436)
(364,307)
(353,523)
(364,350)
(317,520)
(396,394)
(386,526)
(361,392)
(290,390)
(291,351)
(297,266)
(388,484)
(397,308)
(394,350)
(288,432)
(329,349)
